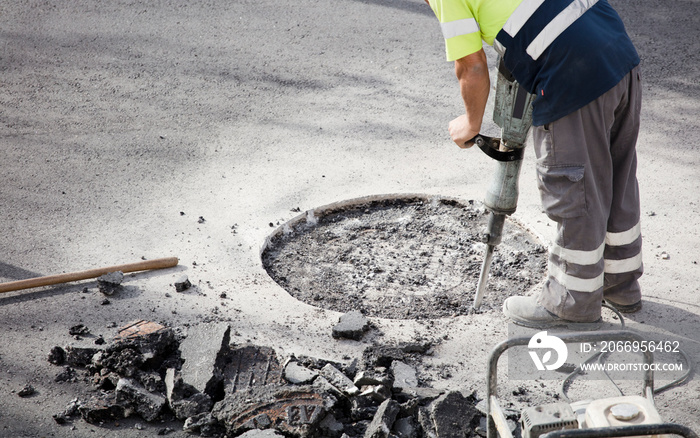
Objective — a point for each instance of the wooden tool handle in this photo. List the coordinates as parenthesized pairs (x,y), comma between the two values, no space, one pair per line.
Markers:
(48,280)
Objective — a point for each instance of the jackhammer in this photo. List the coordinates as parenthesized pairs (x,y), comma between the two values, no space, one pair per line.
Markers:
(513,114)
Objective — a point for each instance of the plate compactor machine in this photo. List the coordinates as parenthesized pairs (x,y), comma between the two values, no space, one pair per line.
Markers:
(620,416)
(608,417)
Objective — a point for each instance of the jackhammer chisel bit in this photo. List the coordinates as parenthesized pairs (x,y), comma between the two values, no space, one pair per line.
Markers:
(513,114)
(501,200)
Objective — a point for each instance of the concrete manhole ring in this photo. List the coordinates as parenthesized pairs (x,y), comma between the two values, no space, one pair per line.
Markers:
(400,257)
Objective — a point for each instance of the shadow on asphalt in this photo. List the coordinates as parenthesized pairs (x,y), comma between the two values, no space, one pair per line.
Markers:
(672,325)
(16,273)
(127,292)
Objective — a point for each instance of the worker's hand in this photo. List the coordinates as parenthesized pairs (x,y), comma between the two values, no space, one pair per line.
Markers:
(461,132)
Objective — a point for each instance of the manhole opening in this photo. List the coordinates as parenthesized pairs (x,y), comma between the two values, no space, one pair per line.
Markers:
(410,257)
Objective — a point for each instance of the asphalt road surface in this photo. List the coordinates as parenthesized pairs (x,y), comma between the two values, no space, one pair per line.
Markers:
(136,130)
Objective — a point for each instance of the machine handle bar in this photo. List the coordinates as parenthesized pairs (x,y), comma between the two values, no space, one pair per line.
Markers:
(623,431)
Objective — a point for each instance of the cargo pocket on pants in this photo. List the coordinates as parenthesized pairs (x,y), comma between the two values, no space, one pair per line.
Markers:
(562,190)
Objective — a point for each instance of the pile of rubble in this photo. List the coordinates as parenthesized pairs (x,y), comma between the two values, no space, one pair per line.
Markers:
(219,389)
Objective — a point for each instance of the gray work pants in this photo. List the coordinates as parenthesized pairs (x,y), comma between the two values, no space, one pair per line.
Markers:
(586,170)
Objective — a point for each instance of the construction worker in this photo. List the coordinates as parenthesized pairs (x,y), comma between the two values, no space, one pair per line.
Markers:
(578,60)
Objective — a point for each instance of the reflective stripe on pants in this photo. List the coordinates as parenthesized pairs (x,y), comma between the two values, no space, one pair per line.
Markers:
(586,169)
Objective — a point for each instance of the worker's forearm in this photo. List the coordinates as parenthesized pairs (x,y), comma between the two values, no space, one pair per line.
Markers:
(474,84)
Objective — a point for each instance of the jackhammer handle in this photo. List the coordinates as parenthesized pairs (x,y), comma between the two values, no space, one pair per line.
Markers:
(167,262)
(484,141)
(491,147)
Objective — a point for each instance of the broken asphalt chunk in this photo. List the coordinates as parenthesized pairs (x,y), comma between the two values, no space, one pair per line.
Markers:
(184,400)
(298,374)
(101,408)
(78,329)
(376,376)
(378,393)
(67,375)
(331,427)
(125,362)
(405,427)
(70,410)
(194,405)
(339,380)
(352,325)
(383,420)
(57,356)
(323,385)
(201,352)
(105,380)
(182,284)
(453,414)
(421,393)
(291,410)
(110,282)
(151,381)
(250,367)
(79,356)
(147,404)
(362,408)
(404,376)
(416,347)
(204,425)
(26,391)
(149,338)
(173,385)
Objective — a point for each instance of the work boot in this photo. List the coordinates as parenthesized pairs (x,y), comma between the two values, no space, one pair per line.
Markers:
(526,311)
(624,308)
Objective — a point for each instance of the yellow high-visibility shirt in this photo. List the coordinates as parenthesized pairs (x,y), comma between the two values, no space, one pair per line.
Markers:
(466,23)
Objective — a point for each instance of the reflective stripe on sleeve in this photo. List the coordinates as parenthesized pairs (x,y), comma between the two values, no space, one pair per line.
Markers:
(558,25)
(575,283)
(579,257)
(520,16)
(624,237)
(455,28)
(623,266)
